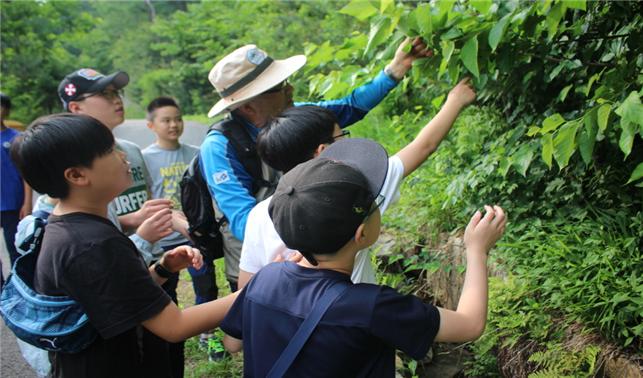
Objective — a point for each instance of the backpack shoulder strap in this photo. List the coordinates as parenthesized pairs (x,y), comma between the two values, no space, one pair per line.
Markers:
(306,328)
(245,149)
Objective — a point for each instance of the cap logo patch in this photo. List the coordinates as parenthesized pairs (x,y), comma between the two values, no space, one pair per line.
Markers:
(221,177)
(255,56)
(89,74)
(358,209)
(70,89)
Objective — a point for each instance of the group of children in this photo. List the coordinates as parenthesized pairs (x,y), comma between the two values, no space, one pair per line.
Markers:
(327,208)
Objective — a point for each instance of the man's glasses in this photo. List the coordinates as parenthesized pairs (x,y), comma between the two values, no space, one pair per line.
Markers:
(344,133)
(277,88)
(109,94)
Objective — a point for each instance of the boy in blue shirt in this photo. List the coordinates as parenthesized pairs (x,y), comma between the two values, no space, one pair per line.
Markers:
(327,208)
(15,201)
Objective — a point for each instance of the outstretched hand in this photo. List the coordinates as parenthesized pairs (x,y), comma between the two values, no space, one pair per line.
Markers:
(182,257)
(405,56)
(482,233)
(156,227)
(463,92)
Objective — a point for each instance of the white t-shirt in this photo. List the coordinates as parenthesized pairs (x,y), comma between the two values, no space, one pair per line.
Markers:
(261,243)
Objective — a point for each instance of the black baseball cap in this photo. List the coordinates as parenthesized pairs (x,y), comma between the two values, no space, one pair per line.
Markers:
(319,204)
(87,80)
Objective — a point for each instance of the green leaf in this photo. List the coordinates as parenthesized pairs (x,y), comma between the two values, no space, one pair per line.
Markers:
(636,174)
(565,143)
(423,19)
(469,56)
(553,19)
(627,136)
(563,93)
(380,31)
(445,6)
(436,102)
(498,30)
(359,9)
(548,148)
(576,4)
(631,109)
(385,4)
(591,82)
(603,116)
(552,122)
(522,158)
(587,136)
(481,6)
(447,50)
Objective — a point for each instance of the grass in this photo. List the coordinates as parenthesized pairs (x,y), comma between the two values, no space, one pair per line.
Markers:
(197,364)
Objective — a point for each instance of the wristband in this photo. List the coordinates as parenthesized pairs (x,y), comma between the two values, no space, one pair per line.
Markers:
(162,271)
(389,72)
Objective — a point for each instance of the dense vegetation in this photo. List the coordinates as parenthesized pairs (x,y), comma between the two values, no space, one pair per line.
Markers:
(556,138)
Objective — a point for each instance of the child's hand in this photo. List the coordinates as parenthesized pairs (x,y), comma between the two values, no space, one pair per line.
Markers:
(182,257)
(482,233)
(463,93)
(151,207)
(179,222)
(295,257)
(156,227)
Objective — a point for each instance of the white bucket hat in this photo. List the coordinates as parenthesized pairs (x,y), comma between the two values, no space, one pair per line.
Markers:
(246,73)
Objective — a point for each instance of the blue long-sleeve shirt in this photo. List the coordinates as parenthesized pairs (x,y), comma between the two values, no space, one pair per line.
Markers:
(229,182)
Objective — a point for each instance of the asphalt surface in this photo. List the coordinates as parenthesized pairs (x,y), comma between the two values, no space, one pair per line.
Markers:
(12,364)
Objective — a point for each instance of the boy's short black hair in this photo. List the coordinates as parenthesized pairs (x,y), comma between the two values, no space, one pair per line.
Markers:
(292,137)
(54,143)
(5,101)
(160,102)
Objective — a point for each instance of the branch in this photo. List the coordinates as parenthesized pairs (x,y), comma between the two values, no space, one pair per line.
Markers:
(583,39)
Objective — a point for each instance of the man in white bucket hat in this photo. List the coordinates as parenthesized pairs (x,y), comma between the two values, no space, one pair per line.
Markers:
(253,88)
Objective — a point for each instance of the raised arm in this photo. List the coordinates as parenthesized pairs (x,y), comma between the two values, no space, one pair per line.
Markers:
(430,137)
(361,100)
(467,322)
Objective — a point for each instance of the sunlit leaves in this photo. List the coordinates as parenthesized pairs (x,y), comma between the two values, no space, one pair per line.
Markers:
(631,112)
(636,174)
(565,143)
(359,9)
(423,20)
(603,116)
(481,6)
(469,56)
(380,31)
(552,122)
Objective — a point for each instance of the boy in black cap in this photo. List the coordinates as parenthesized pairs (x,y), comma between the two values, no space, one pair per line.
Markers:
(87,91)
(327,209)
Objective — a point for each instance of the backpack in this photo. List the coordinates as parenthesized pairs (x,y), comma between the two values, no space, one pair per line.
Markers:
(53,323)
(195,195)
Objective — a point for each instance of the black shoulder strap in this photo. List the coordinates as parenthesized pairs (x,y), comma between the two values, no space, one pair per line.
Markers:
(245,149)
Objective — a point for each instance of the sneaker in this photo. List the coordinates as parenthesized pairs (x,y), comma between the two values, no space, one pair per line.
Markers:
(203,340)
(216,351)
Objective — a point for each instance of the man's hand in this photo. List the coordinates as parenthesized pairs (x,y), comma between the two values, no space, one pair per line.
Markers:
(403,60)
(149,208)
(463,93)
(180,258)
(156,227)
(482,233)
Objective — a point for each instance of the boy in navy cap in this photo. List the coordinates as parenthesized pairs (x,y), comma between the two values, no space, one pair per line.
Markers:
(326,208)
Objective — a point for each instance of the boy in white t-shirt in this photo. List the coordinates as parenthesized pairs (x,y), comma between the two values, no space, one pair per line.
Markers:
(302,133)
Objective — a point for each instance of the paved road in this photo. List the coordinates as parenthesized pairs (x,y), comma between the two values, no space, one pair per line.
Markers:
(135,130)
(12,364)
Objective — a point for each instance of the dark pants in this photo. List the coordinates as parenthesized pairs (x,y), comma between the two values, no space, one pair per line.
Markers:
(204,281)
(162,358)
(9,220)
